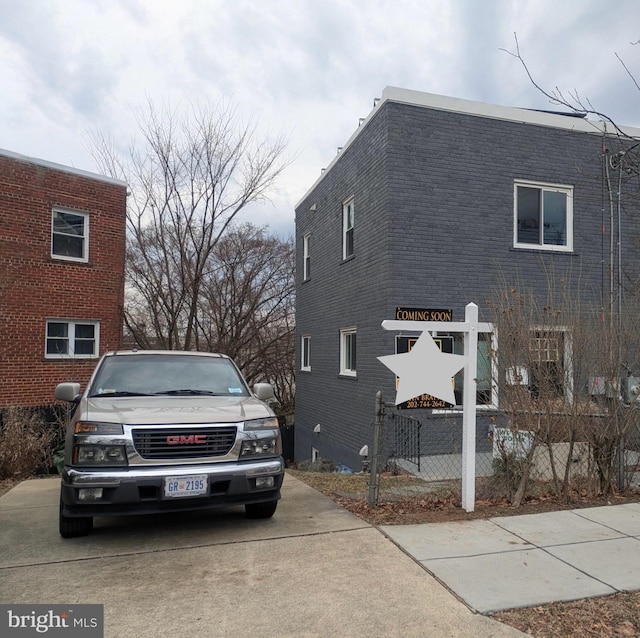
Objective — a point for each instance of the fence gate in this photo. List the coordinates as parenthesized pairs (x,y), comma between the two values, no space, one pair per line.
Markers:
(396,444)
(403,437)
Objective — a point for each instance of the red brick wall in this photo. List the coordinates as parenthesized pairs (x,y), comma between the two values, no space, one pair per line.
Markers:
(35,287)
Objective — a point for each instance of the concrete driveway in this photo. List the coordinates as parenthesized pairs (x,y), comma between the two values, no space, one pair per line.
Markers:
(312,570)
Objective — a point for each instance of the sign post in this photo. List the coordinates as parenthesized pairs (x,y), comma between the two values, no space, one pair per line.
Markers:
(469,328)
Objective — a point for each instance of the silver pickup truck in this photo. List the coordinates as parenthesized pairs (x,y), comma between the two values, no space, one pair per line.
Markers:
(163,431)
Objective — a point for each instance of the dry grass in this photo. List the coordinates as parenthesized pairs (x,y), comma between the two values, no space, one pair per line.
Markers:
(7,484)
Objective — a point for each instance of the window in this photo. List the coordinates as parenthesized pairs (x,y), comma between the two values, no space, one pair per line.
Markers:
(543,216)
(347,229)
(485,372)
(72,339)
(145,373)
(69,235)
(306,256)
(305,363)
(547,375)
(348,352)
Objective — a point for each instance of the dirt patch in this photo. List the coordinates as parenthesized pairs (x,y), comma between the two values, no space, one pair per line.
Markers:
(7,484)
(616,615)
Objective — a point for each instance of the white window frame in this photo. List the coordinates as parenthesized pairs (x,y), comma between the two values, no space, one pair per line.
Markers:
(493,348)
(71,339)
(306,257)
(544,187)
(305,353)
(567,357)
(348,228)
(346,368)
(85,236)
(493,404)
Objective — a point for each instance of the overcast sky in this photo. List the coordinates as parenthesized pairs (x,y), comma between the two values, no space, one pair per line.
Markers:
(306,68)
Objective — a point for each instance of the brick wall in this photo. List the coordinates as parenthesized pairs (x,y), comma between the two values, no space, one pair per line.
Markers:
(434,219)
(35,287)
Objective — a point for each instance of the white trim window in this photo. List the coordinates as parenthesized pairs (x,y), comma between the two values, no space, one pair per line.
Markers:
(486,394)
(347,228)
(69,235)
(67,338)
(486,370)
(543,217)
(348,352)
(305,353)
(551,371)
(306,257)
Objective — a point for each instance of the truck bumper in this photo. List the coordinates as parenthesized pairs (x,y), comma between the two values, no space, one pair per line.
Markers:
(140,490)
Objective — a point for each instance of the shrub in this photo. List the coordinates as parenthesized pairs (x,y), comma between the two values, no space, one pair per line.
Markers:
(508,470)
(321,465)
(27,442)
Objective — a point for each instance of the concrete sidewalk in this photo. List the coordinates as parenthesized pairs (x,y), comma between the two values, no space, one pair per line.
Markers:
(314,570)
(520,561)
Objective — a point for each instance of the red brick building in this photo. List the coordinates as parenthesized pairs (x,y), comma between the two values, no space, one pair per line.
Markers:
(62,250)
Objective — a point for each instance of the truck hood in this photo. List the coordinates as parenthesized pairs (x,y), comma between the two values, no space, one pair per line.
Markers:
(172,410)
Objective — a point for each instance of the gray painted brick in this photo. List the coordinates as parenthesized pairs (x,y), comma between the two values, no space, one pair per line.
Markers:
(433,228)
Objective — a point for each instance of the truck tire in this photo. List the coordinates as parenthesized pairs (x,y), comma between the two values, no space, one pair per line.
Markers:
(261,510)
(71,527)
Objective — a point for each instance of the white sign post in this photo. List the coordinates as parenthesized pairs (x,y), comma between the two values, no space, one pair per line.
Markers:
(430,367)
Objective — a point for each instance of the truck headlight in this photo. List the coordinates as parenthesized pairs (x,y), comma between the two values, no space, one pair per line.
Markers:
(88,454)
(96,427)
(270,423)
(261,447)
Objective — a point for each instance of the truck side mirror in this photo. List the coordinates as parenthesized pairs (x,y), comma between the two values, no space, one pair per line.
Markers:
(68,392)
(263,391)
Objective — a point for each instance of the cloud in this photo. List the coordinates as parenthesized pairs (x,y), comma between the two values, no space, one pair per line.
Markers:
(305,68)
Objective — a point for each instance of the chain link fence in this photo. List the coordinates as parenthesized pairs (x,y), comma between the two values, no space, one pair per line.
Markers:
(418,454)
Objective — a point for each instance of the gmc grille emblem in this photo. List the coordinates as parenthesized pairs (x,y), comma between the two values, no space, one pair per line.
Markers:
(175,439)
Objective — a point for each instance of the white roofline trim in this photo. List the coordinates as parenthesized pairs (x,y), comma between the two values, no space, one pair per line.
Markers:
(478,109)
(61,167)
(495,111)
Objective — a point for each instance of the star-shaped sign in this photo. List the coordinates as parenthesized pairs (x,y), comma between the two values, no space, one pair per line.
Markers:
(424,370)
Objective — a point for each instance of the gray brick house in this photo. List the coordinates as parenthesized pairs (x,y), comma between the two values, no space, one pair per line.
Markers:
(429,203)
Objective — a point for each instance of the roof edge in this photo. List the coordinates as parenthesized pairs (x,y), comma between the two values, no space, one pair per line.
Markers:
(478,109)
(61,167)
(495,111)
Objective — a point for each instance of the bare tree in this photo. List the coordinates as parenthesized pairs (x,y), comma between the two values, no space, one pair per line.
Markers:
(190,178)
(572,99)
(246,307)
(561,388)
(605,341)
(194,278)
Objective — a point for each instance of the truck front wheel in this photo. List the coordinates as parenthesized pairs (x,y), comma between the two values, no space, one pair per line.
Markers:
(261,510)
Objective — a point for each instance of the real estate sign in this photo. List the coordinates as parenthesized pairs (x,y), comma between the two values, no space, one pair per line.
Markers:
(404,344)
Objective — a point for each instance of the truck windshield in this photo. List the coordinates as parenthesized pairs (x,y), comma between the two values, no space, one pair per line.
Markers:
(171,375)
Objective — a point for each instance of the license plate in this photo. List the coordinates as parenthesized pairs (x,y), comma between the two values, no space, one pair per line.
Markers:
(184,486)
